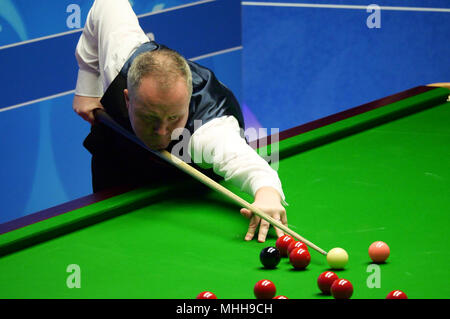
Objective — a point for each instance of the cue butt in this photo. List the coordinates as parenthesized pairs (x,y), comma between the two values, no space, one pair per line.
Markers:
(441,84)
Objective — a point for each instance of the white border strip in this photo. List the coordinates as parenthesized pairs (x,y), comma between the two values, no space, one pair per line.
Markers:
(175,8)
(40,39)
(36,101)
(216,53)
(339,6)
(8,108)
(81,29)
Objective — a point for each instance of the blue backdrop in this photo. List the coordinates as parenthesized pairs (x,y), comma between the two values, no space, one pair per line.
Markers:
(301,63)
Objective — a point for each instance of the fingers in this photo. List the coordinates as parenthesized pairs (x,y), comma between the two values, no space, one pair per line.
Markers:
(246,213)
(90,117)
(263,229)
(84,115)
(264,225)
(87,116)
(254,221)
(283,219)
(279,232)
(84,106)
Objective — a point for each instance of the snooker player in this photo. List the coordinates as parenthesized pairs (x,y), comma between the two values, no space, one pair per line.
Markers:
(154,92)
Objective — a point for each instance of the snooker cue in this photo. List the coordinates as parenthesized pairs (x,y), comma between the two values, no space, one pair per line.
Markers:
(103,117)
(441,84)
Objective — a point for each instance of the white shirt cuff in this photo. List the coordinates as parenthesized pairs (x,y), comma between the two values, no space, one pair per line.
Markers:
(89,84)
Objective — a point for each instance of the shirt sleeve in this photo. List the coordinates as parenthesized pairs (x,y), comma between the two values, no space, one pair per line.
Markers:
(88,81)
(218,144)
(111,34)
(88,84)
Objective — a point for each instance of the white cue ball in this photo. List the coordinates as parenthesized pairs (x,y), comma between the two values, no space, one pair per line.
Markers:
(337,258)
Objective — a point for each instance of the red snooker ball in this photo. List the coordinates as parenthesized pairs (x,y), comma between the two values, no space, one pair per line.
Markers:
(325,281)
(280,297)
(296,244)
(342,289)
(396,294)
(299,258)
(264,289)
(282,244)
(206,295)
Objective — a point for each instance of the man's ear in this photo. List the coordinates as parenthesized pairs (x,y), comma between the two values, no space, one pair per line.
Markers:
(127,98)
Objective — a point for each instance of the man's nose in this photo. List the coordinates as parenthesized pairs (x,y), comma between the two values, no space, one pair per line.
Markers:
(161,129)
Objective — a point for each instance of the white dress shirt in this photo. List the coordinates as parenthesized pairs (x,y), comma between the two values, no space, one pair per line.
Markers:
(110,36)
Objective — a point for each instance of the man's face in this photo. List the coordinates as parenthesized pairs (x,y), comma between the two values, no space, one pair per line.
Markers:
(156,111)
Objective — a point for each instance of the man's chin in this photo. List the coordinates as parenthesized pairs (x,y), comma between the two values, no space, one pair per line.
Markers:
(158,147)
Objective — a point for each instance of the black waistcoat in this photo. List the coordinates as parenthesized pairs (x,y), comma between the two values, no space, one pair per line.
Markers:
(210,99)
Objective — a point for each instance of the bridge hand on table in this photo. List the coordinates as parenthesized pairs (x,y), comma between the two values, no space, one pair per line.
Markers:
(269,201)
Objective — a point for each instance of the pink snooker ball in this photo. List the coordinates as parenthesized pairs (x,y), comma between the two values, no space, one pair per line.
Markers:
(379,252)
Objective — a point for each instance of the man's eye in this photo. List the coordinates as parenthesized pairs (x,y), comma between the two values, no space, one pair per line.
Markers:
(173,118)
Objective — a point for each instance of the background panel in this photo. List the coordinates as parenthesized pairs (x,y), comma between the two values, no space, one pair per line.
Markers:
(19,144)
(403,3)
(308,62)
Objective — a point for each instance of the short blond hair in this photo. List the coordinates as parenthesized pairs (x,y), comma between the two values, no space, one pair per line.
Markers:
(165,65)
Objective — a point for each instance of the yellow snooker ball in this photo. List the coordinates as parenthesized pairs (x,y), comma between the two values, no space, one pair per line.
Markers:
(337,258)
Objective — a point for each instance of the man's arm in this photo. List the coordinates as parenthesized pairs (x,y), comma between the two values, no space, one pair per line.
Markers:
(89,86)
(218,144)
(110,36)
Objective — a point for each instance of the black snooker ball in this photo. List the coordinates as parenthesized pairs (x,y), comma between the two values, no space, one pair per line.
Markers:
(270,257)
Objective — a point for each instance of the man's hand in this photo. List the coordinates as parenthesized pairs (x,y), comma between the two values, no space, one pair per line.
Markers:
(269,201)
(84,106)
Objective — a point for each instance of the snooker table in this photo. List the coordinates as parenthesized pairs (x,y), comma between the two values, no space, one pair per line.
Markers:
(379,171)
